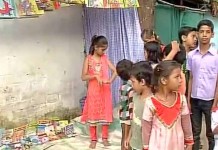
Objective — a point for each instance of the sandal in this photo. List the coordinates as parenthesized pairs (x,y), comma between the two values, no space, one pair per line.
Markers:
(92,145)
(106,143)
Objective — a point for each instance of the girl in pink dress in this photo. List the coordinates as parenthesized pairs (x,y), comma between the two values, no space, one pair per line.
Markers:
(166,121)
(98,105)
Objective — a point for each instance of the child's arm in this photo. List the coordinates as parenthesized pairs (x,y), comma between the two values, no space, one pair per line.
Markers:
(187,129)
(130,107)
(85,76)
(174,51)
(146,133)
(186,123)
(128,127)
(126,142)
(130,102)
(127,130)
(146,125)
(113,68)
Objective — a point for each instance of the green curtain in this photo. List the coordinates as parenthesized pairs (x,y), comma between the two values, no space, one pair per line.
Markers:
(169,19)
(167,22)
(189,18)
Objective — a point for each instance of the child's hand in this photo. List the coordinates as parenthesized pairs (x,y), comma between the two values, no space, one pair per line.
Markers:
(107,82)
(126,144)
(99,79)
(188,147)
(189,107)
(175,46)
(213,109)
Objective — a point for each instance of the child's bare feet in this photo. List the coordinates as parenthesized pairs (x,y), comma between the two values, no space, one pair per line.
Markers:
(92,145)
(106,142)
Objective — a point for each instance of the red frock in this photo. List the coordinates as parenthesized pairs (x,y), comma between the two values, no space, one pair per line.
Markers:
(98,105)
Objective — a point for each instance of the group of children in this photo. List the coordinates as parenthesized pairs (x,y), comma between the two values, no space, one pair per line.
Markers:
(163,98)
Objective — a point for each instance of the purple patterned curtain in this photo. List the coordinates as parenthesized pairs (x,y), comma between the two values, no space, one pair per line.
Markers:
(122,29)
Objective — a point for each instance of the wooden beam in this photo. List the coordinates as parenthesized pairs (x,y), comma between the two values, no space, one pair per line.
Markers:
(146,14)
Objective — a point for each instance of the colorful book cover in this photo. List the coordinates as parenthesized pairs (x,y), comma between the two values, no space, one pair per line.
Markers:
(50,6)
(55,122)
(42,124)
(46,5)
(77,1)
(50,132)
(2,133)
(63,123)
(43,138)
(69,130)
(28,8)
(112,3)
(16,146)
(49,129)
(96,3)
(41,129)
(40,5)
(8,9)
(18,134)
(6,142)
(116,3)
(31,130)
(131,3)
(44,121)
(34,139)
(9,133)
(35,9)
(64,5)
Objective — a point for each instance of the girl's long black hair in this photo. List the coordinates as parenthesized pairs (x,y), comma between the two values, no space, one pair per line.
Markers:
(97,41)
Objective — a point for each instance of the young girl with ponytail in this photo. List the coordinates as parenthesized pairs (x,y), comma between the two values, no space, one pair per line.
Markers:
(98,105)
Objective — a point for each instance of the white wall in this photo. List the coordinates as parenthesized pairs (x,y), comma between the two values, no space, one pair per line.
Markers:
(40,63)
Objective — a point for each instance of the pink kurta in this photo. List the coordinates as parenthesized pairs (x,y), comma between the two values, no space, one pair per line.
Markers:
(98,104)
(166,128)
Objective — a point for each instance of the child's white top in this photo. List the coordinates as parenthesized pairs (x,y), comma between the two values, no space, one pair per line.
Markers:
(214,123)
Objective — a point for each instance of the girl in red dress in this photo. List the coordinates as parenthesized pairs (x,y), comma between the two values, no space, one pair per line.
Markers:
(98,105)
